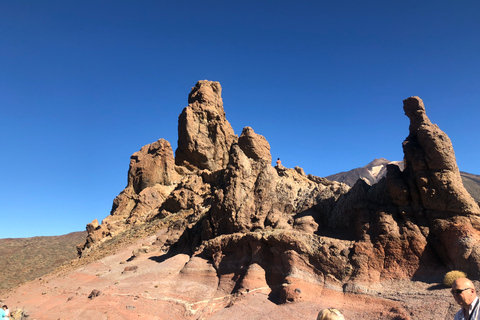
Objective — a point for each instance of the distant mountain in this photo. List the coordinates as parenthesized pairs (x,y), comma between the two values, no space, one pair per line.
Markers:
(472,184)
(377,169)
(24,259)
(372,172)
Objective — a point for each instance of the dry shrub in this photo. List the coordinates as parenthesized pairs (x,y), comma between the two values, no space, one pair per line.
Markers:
(19,314)
(452,276)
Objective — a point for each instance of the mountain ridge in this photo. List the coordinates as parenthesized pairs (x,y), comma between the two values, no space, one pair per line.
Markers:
(377,169)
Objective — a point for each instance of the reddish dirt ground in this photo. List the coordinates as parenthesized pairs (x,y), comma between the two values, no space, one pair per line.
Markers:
(152,287)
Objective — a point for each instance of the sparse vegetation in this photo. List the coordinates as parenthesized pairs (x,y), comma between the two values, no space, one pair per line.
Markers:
(18,314)
(452,276)
(24,259)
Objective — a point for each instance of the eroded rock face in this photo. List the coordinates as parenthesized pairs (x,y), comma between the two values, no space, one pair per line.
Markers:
(254,196)
(204,134)
(152,176)
(153,164)
(431,189)
(276,226)
(432,167)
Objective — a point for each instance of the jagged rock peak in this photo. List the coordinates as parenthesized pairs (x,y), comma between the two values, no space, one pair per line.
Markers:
(153,164)
(408,219)
(204,134)
(430,159)
(436,191)
(206,92)
(254,145)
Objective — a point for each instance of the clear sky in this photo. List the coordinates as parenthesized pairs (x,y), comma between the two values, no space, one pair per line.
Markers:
(84,84)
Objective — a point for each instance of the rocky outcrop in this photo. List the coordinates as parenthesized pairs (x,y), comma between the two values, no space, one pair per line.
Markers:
(432,167)
(223,201)
(153,164)
(152,177)
(204,134)
(433,191)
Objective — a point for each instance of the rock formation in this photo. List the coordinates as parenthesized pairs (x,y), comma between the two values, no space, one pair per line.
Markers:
(224,202)
(433,191)
(204,134)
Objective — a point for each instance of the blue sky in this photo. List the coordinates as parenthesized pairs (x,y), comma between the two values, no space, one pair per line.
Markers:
(84,84)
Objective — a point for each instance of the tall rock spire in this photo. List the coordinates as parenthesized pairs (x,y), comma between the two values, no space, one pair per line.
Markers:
(430,162)
(204,134)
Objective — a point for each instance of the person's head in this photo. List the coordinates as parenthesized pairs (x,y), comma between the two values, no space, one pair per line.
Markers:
(463,292)
(330,314)
(4,307)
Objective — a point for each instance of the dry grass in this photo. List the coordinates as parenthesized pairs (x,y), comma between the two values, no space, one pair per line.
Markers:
(24,259)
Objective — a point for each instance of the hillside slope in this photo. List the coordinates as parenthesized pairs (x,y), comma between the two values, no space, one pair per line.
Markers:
(136,278)
(24,259)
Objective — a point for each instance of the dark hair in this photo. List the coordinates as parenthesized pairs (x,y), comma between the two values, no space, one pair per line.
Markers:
(5,306)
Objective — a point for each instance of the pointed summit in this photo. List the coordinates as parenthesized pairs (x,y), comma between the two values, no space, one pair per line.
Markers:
(204,134)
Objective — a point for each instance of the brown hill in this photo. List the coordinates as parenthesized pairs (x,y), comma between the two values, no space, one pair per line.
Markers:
(218,232)
(24,259)
(472,184)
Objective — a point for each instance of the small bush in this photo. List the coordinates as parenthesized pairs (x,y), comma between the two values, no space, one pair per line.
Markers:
(452,276)
(18,314)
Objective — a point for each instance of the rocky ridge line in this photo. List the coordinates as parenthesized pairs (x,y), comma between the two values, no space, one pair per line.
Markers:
(244,215)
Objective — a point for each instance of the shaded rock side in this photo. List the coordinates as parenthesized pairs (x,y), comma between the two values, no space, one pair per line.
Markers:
(431,190)
(204,134)
(431,165)
(253,195)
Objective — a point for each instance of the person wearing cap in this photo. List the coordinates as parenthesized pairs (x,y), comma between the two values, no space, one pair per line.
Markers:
(464,293)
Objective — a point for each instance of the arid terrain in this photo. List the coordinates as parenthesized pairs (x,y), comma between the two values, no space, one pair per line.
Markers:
(25,259)
(156,285)
(214,231)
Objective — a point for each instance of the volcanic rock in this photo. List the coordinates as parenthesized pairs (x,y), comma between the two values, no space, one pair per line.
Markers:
(204,134)
(241,225)
(153,164)
(431,164)
(437,192)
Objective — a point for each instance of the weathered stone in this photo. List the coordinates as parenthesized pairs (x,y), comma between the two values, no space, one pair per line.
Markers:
(275,225)
(204,134)
(431,165)
(254,146)
(436,188)
(153,164)
(306,224)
